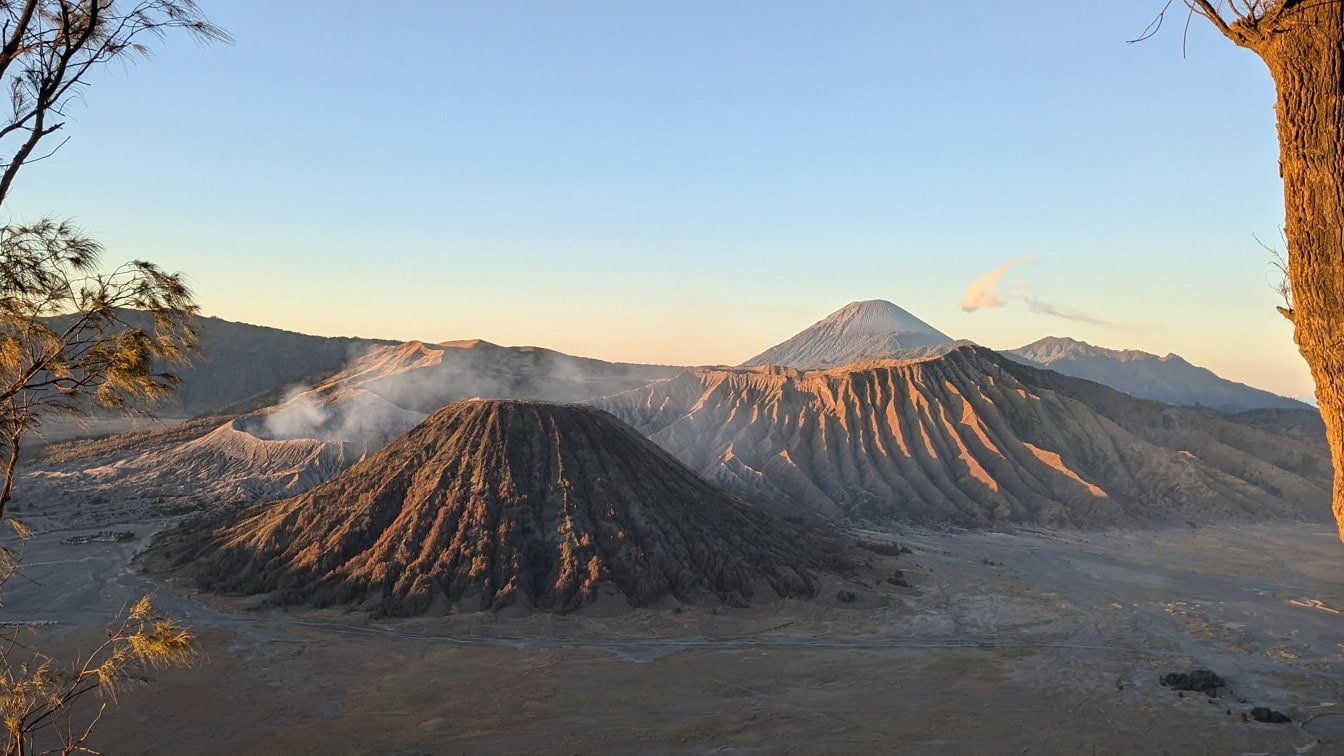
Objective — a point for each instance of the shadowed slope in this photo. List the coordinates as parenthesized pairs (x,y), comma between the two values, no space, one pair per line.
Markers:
(239,360)
(972,439)
(495,502)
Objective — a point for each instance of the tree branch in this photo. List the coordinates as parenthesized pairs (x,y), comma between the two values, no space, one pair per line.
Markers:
(1207,10)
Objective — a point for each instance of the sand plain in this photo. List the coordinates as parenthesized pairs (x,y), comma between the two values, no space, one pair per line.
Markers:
(1024,642)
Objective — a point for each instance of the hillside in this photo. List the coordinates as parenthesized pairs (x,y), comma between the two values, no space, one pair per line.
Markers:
(239,360)
(491,503)
(423,377)
(243,368)
(973,439)
(1170,379)
(385,391)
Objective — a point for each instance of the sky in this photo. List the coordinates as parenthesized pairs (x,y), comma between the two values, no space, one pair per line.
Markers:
(690,183)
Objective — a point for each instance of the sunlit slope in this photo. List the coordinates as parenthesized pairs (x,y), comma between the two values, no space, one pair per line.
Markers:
(867,330)
(972,439)
(491,503)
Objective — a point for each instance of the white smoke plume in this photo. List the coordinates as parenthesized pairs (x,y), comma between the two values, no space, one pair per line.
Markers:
(361,417)
(386,391)
(985,292)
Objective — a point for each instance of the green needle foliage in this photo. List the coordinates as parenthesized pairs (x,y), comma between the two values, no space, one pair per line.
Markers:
(66,346)
(38,695)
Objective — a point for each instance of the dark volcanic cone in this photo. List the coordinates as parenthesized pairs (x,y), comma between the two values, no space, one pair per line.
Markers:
(496,502)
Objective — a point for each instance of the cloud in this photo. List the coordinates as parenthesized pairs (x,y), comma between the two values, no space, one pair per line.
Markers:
(985,292)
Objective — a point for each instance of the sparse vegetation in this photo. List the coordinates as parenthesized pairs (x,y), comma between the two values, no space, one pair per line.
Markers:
(883,548)
(1198,681)
(38,694)
(1269,716)
(102,536)
(64,345)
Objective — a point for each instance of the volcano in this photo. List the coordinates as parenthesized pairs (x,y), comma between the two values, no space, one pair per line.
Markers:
(860,331)
(973,439)
(492,503)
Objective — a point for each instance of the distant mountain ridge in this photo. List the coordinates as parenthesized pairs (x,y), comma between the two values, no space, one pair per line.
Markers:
(1170,379)
(873,329)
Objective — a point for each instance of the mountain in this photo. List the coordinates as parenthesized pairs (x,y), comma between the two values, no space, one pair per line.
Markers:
(1168,379)
(424,377)
(490,503)
(242,368)
(388,389)
(238,361)
(973,439)
(870,330)
(285,449)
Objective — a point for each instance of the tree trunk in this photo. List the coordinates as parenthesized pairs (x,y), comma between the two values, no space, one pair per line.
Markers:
(1305,54)
(8,488)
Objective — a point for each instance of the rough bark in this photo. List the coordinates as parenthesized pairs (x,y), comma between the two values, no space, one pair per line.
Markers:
(1302,43)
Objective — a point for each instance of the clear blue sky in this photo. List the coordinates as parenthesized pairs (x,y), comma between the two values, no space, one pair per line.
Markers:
(693,182)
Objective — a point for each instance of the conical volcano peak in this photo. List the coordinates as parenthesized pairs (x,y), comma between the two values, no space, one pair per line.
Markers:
(492,503)
(877,316)
(872,329)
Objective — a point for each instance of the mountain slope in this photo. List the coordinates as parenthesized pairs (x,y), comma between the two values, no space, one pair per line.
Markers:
(488,503)
(242,367)
(239,360)
(868,330)
(288,448)
(1168,379)
(972,439)
(390,388)
(424,377)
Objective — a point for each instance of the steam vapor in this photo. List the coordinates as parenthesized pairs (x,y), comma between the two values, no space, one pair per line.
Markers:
(985,292)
